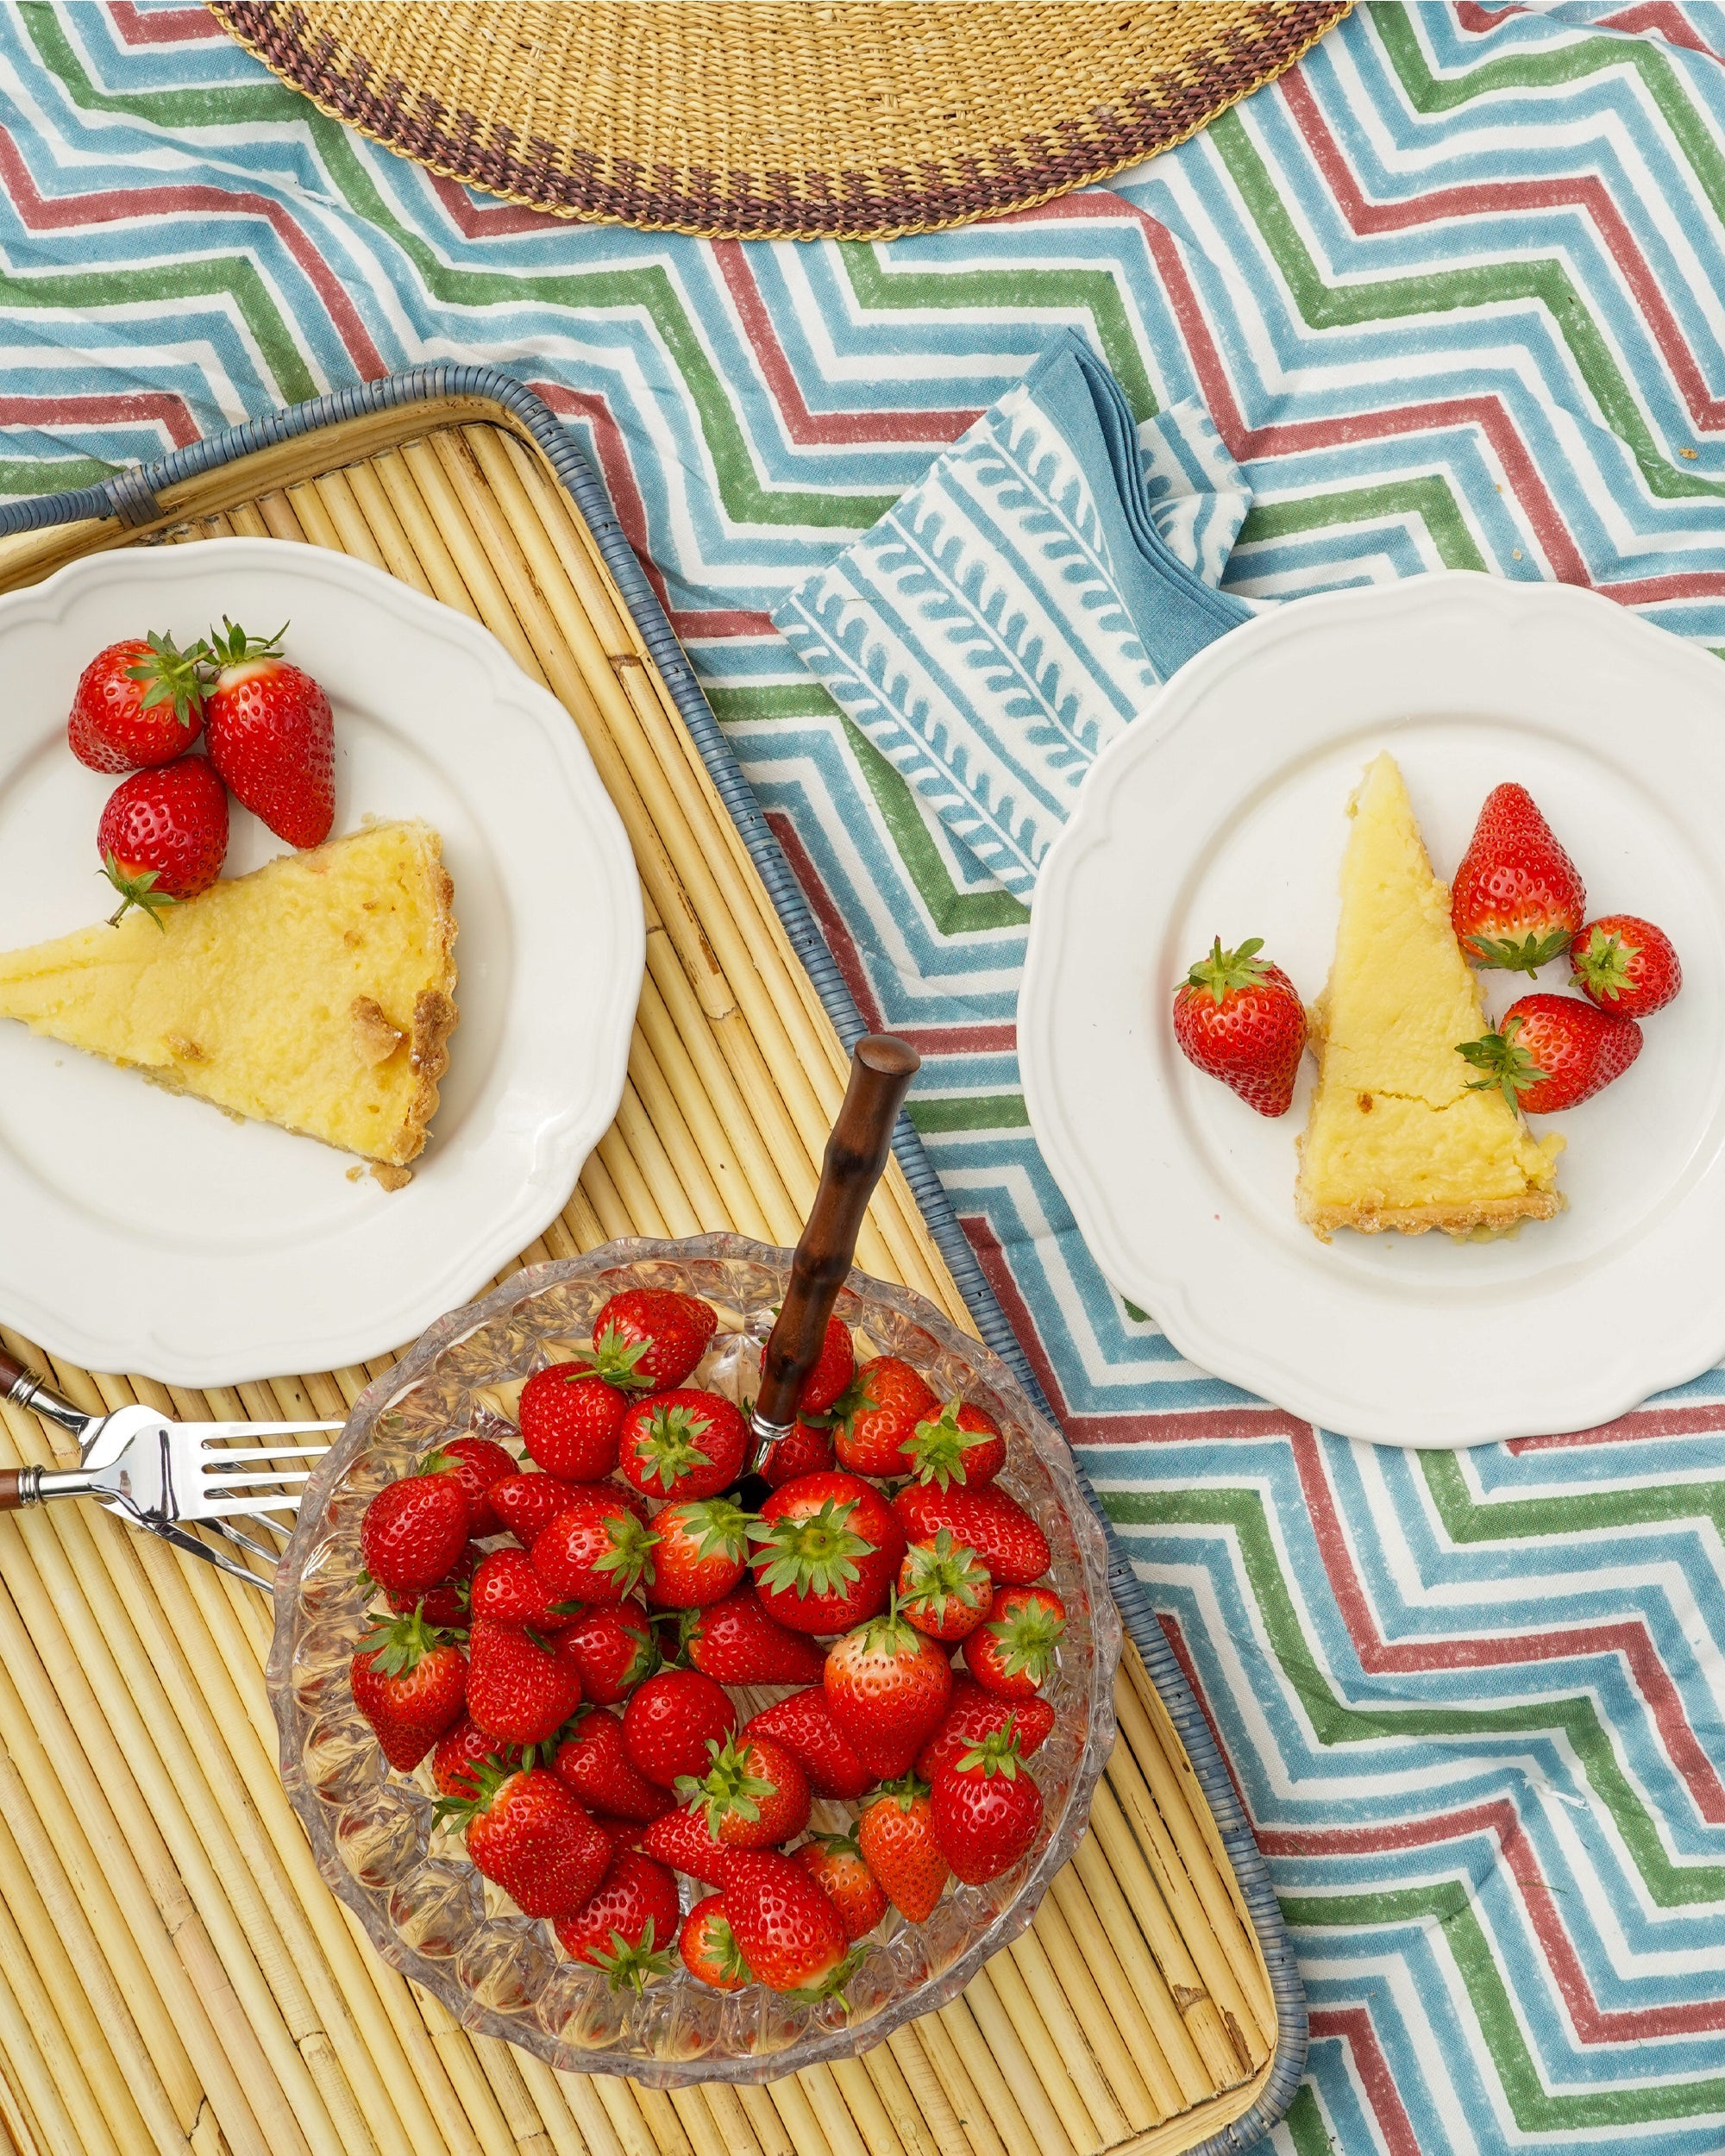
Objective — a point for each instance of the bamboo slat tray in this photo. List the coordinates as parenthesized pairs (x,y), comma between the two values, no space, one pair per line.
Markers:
(174,1972)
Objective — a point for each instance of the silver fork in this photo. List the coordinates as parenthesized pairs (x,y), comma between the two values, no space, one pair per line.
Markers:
(165,1476)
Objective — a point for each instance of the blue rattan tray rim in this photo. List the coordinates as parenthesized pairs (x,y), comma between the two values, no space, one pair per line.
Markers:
(131,495)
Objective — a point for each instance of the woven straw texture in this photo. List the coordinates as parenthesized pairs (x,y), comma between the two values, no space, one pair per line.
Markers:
(174,1972)
(778,119)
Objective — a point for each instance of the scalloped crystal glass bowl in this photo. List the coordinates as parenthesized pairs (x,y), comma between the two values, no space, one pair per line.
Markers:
(425,1907)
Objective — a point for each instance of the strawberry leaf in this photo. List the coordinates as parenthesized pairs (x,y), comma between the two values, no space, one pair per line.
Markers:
(1508,1066)
(1225,971)
(139,890)
(1525,956)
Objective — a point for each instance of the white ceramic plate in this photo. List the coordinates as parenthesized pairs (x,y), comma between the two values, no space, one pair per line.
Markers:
(1221,812)
(143,1231)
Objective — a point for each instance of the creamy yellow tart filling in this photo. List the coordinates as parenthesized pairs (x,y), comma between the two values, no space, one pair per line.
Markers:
(316,993)
(1396,1137)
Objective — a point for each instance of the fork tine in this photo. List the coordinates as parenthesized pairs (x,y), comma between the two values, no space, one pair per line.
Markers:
(253,1489)
(239,1537)
(208,1434)
(220,1463)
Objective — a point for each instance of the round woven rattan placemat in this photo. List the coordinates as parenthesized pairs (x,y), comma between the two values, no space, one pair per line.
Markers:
(777,119)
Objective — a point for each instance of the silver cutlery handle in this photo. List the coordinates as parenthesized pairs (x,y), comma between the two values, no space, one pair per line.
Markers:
(26,1388)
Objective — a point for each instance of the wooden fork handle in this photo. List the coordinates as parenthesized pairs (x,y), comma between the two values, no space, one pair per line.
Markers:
(11,1497)
(882,1067)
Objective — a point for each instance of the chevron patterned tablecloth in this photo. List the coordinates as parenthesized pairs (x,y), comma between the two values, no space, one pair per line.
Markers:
(1451,293)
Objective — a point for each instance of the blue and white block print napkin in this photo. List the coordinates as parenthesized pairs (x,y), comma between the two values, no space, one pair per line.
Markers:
(1007,618)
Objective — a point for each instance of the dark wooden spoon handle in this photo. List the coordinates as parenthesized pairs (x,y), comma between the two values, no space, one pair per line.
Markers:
(881,1069)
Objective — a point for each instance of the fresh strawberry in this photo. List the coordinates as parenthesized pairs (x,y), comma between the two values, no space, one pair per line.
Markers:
(709,1947)
(887,1686)
(448,1602)
(682,1839)
(995,1525)
(987,1809)
(1517,900)
(876,1414)
(671,1720)
(703,1547)
(517,1689)
(613,1646)
(734,1641)
(629,1925)
(669,1333)
(961,1444)
(897,1839)
(789,1932)
(570,1421)
(595,1550)
(972,1714)
(686,1443)
(136,704)
(463,1748)
(837,1866)
(753,1795)
(481,1463)
(415,1529)
(1240,1020)
(164,835)
(1013,1653)
(807,1450)
(526,1504)
(834,1367)
(944,1589)
(508,1591)
(269,733)
(410,1683)
(1553,1052)
(595,1761)
(525,1831)
(1625,965)
(802,1722)
(830,1549)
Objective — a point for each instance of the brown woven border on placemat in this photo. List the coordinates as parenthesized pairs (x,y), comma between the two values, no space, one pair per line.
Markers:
(778,119)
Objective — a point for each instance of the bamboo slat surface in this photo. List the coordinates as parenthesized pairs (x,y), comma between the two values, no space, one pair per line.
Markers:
(173,1973)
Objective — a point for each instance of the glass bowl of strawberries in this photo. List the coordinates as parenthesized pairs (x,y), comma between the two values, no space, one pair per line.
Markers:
(660,1760)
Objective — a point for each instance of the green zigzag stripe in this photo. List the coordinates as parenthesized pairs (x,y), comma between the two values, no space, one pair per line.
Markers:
(971,1111)
(880,290)
(178,282)
(26,475)
(1305,2123)
(1335,1721)
(1514,1518)
(954,913)
(1444,1908)
(1429,499)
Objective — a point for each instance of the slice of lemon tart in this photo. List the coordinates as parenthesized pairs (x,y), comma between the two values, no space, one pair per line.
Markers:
(316,993)
(1397,1138)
